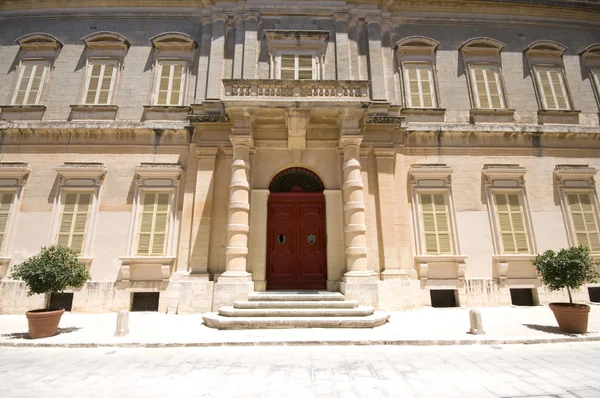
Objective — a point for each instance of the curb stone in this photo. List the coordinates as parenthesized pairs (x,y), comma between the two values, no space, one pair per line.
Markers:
(306,343)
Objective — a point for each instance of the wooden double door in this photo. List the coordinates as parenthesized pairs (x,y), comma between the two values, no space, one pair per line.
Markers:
(296,241)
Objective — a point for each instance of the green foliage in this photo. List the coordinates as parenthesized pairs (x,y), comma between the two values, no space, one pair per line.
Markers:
(55,269)
(568,268)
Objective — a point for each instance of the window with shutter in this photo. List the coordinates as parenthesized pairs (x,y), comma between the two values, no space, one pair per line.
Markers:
(154,223)
(32,75)
(511,223)
(6,201)
(596,80)
(74,217)
(552,88)
(435,221)
(584,220)
(100,83)
(171,83)
(419,87)
(487,87)
(297,67)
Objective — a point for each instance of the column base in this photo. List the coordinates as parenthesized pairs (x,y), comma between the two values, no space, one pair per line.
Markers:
(360,286)
(230,287)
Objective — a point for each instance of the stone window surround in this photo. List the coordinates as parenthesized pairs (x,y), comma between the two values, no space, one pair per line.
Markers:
(508,178)
(154,177)
(40,47)
(101,48)
(171,47)
(285,41)
(419,49)
(434,178)
(13,176)
(591,58)
(485,51)
(575,178)
(78,177)
(548,53)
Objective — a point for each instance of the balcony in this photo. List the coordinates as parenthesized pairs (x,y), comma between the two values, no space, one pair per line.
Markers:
(266,92)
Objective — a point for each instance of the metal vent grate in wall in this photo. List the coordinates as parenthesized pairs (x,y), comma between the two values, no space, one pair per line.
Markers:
(145,302)
(522,297)
(61,300)
(443,298)
(594,294)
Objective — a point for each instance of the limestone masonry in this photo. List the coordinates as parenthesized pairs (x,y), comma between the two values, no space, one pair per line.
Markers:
(195,153)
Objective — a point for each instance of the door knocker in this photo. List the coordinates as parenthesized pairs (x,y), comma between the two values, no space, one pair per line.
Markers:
(281,239)
(312,238)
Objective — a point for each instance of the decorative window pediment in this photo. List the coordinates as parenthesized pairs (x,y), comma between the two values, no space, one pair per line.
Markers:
(504,175)
(417,45)
(170,43)
(573,175)
(106,44)
(545,48)
(591,57)
(13,173)
(481,46)
(313,40)
(39,45)
(166,173)
(81,173)
(296,54)
(430,175)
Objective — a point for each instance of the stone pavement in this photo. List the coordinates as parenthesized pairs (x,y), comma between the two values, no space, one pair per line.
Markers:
(424,326)
(567,370)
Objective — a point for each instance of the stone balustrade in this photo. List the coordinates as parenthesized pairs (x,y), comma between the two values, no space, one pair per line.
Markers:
(297,89)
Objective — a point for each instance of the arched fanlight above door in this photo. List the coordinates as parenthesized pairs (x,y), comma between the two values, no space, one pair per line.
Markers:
(296,179)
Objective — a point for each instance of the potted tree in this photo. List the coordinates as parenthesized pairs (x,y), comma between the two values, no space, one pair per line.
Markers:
(570,269)
(53,270)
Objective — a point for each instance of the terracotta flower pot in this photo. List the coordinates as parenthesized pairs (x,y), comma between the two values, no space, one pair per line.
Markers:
(571,318)
(43,323)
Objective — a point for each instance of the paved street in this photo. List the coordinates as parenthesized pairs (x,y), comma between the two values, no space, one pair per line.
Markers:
(542,370)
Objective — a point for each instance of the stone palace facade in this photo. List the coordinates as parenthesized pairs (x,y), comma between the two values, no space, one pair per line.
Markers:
(402,153)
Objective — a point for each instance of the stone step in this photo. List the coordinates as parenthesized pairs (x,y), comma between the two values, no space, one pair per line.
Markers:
(296,312)
(216,321)
(295,304)
(296,296)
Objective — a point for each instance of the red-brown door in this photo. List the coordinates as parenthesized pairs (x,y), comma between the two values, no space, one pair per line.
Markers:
(296,244)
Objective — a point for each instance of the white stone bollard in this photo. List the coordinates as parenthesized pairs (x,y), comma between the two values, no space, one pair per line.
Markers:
(122,323)
(476,325)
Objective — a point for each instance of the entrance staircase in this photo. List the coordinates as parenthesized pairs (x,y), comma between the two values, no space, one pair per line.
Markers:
(291,309)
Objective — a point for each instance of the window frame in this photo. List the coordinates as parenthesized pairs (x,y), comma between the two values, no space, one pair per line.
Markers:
(138,222)
(432,84)
(316,64)
(497,69)
(7,234)
(595,77)
(157,77)
(539,87)
(420,219)
(569,218)
(527,224)
(22,66)
(91,62)
(64,191)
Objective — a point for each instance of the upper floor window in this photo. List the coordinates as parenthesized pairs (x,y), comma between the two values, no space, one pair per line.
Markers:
(297,66)
(416,58)
(482,59)
(508,210)
(591,57)
(173,53)
(38,52)
(545,60)
(105,53)
(297,54)
(579,203)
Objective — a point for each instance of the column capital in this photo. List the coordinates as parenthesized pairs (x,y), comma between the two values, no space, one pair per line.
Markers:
(252,15)
(227,152)
(242,140)
(206,152)
(219,17)
(364,152)
(350,140)
(384,152)
(239,18)
(376,19)
(340,17)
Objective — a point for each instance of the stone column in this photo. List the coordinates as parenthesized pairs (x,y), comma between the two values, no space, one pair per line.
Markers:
(363,50)
(353,48)
(371,221)
(202,210)
(203,60)
(358,282)
(250,46)
(238,57)
(341,47)
(375,58)
(217,51)
(236,282)
(187,211)
(385,159)
(388,62)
